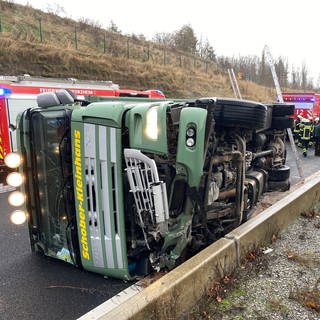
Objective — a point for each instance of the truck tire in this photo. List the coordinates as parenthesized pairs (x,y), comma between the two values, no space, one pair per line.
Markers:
(282,122)
(280,110)
(278,185)
(239,113)
(279,174)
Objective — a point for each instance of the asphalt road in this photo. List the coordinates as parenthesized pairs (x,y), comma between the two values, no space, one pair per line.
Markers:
(309,164)
(36,287)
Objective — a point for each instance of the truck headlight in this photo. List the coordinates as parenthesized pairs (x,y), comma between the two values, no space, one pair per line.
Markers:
(16,198)
(191,136)
(152,123)
(12,160)
(14,179)
(18,217)
(190,132)
(190,142)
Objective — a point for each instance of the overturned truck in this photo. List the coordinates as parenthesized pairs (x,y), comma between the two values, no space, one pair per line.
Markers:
(122,188)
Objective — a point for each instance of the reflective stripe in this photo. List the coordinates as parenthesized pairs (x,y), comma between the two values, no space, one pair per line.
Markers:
(1,149)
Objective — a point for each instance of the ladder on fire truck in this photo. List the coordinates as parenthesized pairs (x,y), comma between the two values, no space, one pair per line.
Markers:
(269,58)
(234,84)
(27,80)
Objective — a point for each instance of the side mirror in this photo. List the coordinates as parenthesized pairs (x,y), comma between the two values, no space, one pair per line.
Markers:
(12,127)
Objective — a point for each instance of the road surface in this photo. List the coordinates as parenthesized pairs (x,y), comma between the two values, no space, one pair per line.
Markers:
(36,287)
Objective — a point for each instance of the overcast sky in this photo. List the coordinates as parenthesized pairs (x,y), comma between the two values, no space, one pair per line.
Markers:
(233,27)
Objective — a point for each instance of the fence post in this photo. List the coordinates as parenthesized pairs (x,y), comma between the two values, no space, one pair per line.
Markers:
(180,61)
(194,62)
(75,37)
(40,30)
(148,53)
(164,55)
(128,49)
(206,66)
(104,43)
(0,25)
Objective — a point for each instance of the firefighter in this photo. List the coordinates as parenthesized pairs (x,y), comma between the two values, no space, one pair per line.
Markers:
(296,129)
(317,138)
(312,132)
(301,126)
(305,135)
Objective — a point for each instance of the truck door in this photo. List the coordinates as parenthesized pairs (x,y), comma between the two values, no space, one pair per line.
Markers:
(16,104)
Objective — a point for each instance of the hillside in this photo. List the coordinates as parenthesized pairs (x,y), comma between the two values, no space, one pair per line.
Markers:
(44,44)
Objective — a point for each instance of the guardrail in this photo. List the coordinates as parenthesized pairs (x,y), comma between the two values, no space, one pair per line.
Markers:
(179,290)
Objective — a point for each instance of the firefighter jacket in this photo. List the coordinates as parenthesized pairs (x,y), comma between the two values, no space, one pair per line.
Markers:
(296,128)
(306,131)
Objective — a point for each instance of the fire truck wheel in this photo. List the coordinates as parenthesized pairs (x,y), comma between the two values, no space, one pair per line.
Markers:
(282,122)
(237,113)
(278,185)
(279,110)
(279,174)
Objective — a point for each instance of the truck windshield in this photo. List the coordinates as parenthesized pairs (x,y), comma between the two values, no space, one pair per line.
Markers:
(51,162)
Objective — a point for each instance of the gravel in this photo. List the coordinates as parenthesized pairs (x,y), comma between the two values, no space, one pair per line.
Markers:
(281,281)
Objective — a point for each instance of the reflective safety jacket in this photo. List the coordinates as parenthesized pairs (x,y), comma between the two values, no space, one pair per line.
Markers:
(296,128)
(306,131)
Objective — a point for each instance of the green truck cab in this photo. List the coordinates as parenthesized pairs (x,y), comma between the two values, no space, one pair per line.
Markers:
(124,187)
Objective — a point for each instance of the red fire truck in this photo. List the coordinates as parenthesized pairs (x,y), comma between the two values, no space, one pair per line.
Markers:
(18,93)
(306,104)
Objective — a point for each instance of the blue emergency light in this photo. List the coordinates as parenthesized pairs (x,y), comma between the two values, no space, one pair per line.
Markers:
(4,91)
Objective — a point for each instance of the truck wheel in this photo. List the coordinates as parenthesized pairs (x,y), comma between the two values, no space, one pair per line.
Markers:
(237,113)
(279,174)
(279,110)
(282,122)
(278,185)
(284,157)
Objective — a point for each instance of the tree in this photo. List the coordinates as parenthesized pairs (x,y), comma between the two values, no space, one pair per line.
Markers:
(56,9)
(113,27)
(206,51)
(281,67)
(304,76)
(318,83)
(185,40)
(163,38)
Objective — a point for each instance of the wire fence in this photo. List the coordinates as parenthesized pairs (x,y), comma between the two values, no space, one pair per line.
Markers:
(84,37)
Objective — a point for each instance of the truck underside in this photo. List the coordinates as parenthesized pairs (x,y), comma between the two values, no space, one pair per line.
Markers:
(107,194)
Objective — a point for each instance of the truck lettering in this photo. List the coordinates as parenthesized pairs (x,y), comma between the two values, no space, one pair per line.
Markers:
(79,195)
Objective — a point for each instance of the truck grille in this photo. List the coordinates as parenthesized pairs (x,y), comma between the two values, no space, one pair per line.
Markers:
(103,189)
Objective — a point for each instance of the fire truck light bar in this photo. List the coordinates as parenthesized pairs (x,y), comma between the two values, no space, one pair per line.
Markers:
(4,91)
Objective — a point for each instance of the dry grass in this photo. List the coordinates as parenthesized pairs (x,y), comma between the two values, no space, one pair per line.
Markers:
(277,305)
(308,297)
(307,259)
(149,65)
